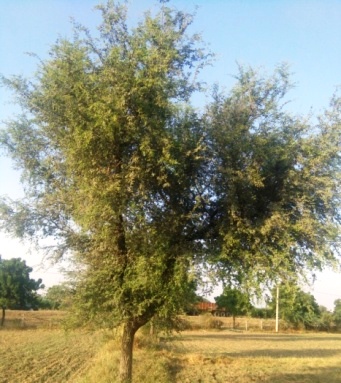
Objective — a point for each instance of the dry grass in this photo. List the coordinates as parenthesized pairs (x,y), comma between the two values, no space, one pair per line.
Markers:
(224,356)
(20,319)
(49,355)
(45,356)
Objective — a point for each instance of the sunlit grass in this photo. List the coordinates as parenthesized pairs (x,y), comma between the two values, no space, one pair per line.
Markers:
(225,356)
(43,354)
(242,358)
(46,356)
(21,319)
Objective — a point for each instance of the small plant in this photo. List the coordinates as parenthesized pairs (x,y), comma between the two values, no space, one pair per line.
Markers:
(210,322)
(214,323)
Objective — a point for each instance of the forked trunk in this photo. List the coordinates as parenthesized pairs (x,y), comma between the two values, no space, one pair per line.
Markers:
(3,316)
(126,362)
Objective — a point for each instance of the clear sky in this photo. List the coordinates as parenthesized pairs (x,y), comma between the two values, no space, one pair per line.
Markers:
(306,34)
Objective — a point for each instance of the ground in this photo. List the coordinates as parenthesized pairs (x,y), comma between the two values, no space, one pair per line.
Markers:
(35,349)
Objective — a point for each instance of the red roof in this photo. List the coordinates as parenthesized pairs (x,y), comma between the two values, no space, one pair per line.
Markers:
(206,306)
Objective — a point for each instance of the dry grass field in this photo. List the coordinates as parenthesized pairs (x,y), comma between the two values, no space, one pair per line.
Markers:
(45,356)
(20,319)
(226,356)
(38,352)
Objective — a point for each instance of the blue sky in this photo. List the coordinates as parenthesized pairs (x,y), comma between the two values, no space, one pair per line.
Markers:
(261,33)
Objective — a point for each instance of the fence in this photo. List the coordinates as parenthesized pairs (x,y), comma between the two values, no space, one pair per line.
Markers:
(241,323)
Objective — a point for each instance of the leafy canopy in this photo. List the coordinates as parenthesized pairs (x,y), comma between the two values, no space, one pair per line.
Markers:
(17,289)
(124,174)
(337,311)
(273,182)
(110,152)
(234,301)
(296,306)
(58,297)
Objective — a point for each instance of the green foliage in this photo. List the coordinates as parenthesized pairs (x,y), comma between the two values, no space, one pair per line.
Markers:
(261,312)
(297,307)
(121,171)
(234,301)
(110,154)
(17,289)
(272,184)
(326,320)
(58,297)
(337,311)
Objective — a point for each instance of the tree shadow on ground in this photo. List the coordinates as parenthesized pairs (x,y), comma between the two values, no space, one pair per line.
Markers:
(331,374)
(284,353)
(264,337)
(317,350)
(173,366)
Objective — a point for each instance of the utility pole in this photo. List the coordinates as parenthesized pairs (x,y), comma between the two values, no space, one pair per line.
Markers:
(277,308)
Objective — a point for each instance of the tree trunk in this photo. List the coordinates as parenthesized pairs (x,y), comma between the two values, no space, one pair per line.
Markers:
(126,362)
(3,316)
(233,321)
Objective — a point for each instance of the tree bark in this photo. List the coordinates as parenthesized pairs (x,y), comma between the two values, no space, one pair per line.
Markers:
(126,362)
(3,316)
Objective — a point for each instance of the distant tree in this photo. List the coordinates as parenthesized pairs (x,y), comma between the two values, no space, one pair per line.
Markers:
(326,320)
(59,296)
(337,312)
(296,306)
(17,289)
(235,302)
(261,312)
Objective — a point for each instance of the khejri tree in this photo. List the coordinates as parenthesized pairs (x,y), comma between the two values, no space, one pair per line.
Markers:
(139,186)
